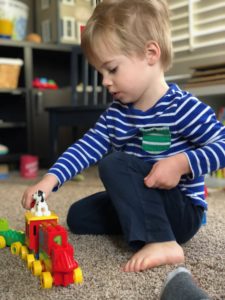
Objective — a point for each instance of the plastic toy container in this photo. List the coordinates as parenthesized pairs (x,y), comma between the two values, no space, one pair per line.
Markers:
(13,19)
(29,166)
(9,72)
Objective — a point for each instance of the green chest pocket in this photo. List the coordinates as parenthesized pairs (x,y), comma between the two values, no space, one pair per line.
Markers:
(156,140)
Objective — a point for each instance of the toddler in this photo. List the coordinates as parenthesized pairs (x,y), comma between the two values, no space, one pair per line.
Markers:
(154,143)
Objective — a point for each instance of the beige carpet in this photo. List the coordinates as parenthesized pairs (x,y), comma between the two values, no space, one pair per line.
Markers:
(100,257)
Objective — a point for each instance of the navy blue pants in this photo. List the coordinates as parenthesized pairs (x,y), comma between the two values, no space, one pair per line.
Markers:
(143,215)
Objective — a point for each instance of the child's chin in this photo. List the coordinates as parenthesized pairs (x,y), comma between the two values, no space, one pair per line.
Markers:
(124,101)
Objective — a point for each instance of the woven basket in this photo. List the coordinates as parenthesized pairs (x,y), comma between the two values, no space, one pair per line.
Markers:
(9,73)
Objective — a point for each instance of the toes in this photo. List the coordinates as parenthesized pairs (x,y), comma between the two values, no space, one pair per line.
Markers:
(133,265)
(128,266)
(138,265)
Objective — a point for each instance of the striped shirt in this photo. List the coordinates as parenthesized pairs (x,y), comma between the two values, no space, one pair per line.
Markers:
(177,123)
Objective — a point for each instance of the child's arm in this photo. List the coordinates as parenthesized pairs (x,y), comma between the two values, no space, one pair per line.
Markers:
(206,137)
(84,152)
(166,173)
(46,185)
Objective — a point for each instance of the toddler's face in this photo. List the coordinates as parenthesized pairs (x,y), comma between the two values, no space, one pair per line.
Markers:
(127,78)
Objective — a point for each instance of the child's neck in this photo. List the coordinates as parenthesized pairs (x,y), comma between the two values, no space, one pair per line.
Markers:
(157,91)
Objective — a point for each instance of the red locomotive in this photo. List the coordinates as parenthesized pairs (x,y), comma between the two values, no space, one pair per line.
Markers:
(47,251)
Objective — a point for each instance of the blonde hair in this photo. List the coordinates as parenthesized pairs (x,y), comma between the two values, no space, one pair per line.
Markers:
(126,26)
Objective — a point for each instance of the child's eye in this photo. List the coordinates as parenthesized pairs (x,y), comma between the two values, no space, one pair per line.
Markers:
(112,71)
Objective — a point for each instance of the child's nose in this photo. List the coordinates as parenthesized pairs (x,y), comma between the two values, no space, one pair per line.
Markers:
(106,82)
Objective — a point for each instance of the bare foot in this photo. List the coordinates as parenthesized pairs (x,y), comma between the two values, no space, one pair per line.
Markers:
(154,255)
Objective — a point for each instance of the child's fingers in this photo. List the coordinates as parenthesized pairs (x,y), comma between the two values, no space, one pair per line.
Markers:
(26,201)
(150,182)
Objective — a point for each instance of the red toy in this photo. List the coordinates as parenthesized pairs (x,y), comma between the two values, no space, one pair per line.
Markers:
(47,251)
(44,83)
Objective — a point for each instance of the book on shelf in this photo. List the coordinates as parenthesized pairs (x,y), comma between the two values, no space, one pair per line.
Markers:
(207,75)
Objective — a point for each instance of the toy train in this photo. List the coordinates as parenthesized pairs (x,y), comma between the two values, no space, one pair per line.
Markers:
(44,245)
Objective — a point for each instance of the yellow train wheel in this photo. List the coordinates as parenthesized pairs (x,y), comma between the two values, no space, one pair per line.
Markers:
(77,275)
(2,242)
(30,260)
(15,248)
(23,252)
(46,280)
(36,268)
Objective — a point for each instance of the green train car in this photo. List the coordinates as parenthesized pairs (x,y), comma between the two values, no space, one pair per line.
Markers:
(9,236)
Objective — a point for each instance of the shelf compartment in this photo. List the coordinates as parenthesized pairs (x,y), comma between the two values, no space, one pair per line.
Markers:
(14,92)
(12,124)
(10,158)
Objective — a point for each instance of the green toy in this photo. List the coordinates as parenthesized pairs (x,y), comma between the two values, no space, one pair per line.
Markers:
(9,236)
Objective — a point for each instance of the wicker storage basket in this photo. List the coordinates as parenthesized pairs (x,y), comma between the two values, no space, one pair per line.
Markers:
(9,72)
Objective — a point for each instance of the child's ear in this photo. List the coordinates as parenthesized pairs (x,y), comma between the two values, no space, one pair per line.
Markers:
(152,52)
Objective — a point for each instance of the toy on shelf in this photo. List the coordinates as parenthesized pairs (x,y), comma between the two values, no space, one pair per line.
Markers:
(3,149)
(44,246)
(44,83)
(4,171)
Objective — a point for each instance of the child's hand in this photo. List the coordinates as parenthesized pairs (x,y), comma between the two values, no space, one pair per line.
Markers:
(166,173)
(46,185)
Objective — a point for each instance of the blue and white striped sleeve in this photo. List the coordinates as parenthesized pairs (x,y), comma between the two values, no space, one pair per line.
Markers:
(198,123)
(83,153)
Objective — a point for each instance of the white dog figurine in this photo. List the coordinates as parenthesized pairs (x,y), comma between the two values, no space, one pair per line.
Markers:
(40,207)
